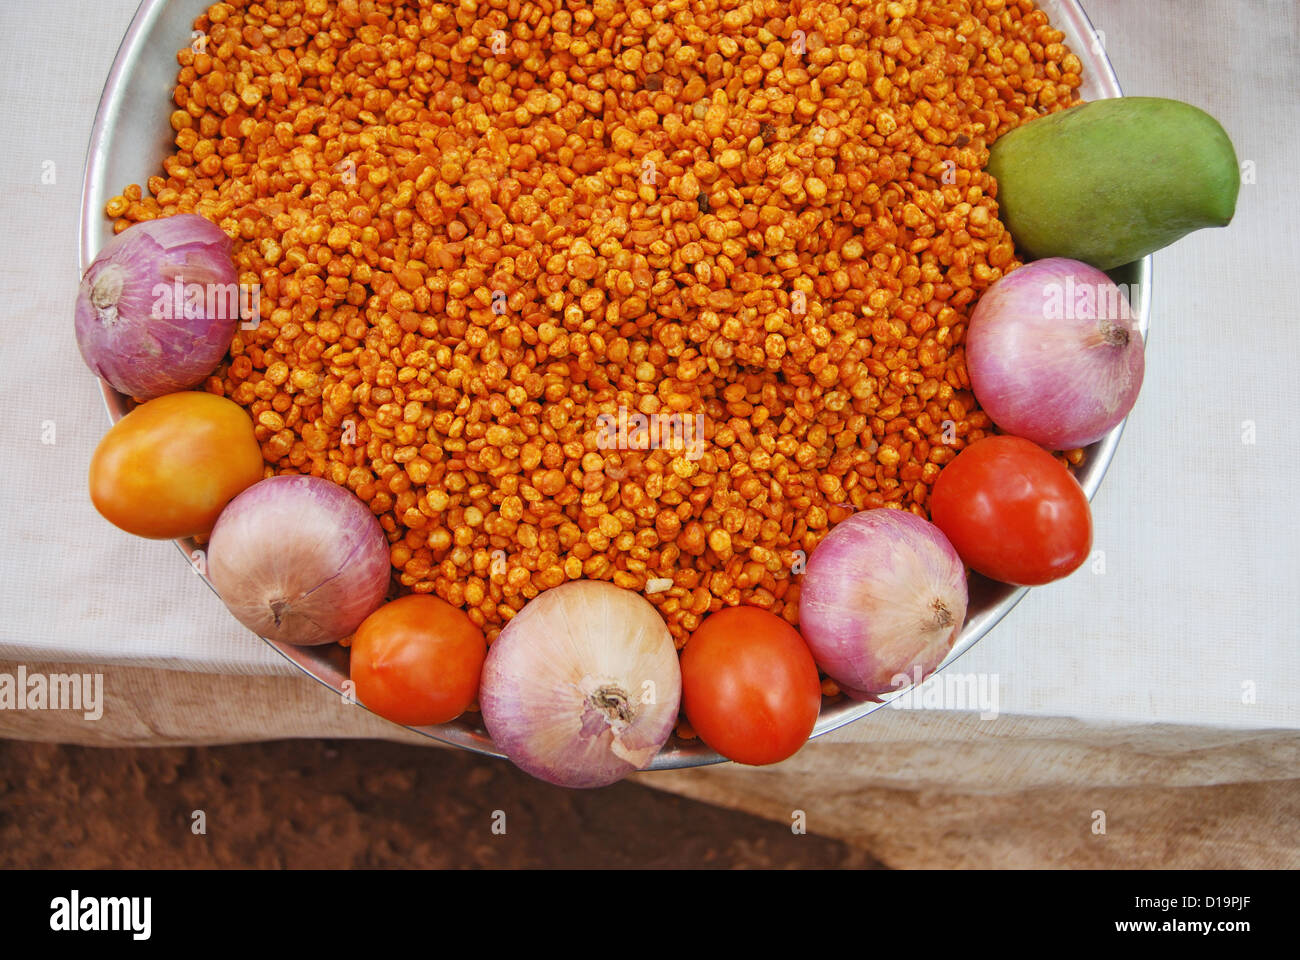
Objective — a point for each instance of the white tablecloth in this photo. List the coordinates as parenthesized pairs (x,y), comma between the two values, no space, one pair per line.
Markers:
(1193,621)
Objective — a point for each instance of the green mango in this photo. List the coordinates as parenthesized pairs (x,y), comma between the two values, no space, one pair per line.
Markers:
(1110,181)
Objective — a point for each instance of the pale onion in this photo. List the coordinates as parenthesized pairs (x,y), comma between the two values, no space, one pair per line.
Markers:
(299,560)
(582,686)
(134,330)
(883,595)
(1055,354)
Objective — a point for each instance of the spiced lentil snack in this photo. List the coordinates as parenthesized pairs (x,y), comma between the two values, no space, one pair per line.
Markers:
(479,226)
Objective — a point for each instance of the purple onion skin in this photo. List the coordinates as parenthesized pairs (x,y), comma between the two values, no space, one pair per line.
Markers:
(141,355)
(884,594)
(1058,380)
(299,559)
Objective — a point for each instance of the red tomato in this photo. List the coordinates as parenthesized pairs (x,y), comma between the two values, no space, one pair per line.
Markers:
(417,661)
(1012,512)
(750,686)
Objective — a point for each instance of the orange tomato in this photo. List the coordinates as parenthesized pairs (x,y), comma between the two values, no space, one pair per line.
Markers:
(169,467)
(749,685)
(417,661)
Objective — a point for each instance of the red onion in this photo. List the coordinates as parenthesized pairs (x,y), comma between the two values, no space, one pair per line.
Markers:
(158,308)
(299,559)
(1055,354)
(582,686)
(884,594)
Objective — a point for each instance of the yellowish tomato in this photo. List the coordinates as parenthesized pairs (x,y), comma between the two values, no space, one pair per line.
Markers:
(169,467)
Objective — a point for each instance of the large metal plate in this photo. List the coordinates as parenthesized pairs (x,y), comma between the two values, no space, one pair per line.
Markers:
(131,136)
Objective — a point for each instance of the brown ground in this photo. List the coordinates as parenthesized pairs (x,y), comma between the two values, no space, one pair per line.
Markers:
(323,803)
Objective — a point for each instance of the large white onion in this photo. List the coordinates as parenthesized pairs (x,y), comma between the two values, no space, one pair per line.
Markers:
(582,686)
(299,559)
